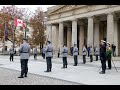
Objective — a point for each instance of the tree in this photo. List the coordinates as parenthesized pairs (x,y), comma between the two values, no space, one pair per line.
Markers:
(8,14)
(37,23)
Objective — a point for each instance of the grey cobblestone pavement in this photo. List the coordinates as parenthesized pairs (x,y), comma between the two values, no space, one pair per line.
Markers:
(9,77)
(83,74)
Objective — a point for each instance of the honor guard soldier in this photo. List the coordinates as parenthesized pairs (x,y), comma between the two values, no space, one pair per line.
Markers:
(103,56)
(24,57)
(75,54)
(35,53)
(96,53)
(84,52)
(11,53)
(64,55)
(49,55)
(91,54)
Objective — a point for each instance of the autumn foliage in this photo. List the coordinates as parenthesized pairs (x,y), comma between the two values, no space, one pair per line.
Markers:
(38,25)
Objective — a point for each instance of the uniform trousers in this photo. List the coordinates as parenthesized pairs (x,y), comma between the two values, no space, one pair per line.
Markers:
(84,59)
(11,57)
(64,62)
(96,57)
(103,61)
(75,60)
(24,66)
(91,58)
(49,63)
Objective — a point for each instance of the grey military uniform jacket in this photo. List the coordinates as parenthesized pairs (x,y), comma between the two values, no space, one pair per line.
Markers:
(11,51)
(64,51)
(49,51)
(91,51)
(96,51)
(44,50)
(84,51)
(35,51)
(24,51)
(75,51)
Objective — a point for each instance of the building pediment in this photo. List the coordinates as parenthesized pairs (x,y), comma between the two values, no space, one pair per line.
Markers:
(63,8)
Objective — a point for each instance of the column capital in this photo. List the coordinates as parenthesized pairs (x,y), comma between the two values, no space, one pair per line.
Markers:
(74,20)
(110,13)
(90,17)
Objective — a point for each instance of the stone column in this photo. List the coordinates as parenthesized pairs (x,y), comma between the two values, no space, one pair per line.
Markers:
(90,32)
(116,36)
(96,34)
(69,38)
(81,38)
(57,38)
(49,32)
(74,32)
(54,38)
(110,28)
(61,33)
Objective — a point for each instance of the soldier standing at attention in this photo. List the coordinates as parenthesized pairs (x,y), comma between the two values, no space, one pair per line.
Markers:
(96,53)
(91,54)
(24,56)
(11,53)
(49,54)
(75,54)
(64,55)
(35,53)
(84,51)
(11,50)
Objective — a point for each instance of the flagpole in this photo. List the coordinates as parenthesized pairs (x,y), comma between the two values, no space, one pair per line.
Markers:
(13,29)
(4,36)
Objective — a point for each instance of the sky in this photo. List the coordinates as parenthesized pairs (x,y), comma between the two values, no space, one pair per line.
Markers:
(32,7)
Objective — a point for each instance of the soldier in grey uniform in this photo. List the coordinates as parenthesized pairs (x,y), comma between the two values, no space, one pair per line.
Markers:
(75,54)
(84,52)
(64,55)
(49,55)
(24,56)
(11,53)
(91,54)
(96,53)
(35,53)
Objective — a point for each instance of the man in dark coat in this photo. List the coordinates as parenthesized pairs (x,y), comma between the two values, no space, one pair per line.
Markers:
(103,56)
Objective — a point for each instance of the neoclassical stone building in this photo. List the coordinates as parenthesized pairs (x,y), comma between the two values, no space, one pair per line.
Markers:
(83,24)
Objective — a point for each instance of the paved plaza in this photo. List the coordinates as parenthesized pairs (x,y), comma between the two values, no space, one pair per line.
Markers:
(83,74)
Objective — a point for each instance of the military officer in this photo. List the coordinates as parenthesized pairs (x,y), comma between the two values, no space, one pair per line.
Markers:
(64,55)
(84,52)
(49,55)
(11,53)
(96,53)
(24,56)
(35,53)
(91,54)
(75,54)
(103,56)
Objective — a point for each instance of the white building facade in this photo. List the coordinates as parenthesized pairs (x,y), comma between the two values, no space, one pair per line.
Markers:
(83,25)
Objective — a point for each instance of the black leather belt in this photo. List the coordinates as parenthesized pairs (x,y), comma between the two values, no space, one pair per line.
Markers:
(24,52)
(49,51)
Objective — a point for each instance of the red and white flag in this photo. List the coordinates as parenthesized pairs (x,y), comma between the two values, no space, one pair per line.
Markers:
(18,22)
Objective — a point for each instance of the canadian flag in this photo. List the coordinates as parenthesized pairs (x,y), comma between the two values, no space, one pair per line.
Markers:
(18,22)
